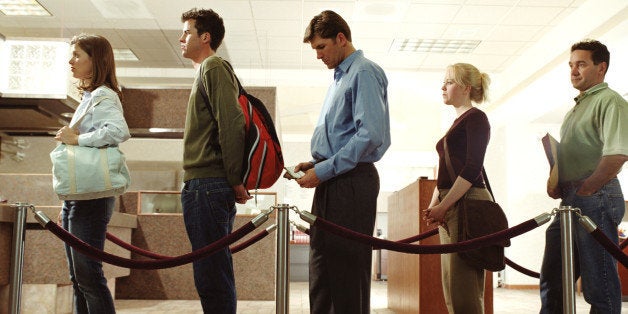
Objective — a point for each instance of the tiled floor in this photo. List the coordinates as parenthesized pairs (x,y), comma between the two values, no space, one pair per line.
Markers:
(506,301)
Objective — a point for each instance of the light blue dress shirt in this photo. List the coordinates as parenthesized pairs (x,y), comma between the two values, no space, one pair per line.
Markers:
(354,124)
(102,124)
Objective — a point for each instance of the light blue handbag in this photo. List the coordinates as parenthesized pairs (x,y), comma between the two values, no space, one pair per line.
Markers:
(83,173)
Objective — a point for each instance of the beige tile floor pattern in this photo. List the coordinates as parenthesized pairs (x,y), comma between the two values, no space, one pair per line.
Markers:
(506,301)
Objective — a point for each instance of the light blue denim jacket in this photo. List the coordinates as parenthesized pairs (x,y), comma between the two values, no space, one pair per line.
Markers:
(103,121)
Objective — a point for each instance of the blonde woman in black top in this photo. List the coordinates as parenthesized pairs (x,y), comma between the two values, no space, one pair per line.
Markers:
(467,139)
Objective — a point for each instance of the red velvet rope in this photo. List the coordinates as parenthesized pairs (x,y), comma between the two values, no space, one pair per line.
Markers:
(610,246)
(479,242)
(249,242)
(99,255)
(521,269)
(508,262)
(139,251)
(411,239)
(135,249)
(419,237)
(414,238)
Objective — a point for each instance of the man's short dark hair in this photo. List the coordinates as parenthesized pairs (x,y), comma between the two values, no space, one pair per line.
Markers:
(207,21)
(327,24)
(599,52)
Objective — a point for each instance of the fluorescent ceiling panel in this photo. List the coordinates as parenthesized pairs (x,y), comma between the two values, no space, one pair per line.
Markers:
(23,8)
(434,45)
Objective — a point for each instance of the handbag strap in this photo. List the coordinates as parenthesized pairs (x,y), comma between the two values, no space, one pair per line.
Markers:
(450,170)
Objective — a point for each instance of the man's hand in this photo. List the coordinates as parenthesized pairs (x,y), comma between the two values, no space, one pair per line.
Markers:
(586,190)
(310,179)
(303,166)
(241,194)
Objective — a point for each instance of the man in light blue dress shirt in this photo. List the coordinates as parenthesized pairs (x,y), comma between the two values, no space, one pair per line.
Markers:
(352,133)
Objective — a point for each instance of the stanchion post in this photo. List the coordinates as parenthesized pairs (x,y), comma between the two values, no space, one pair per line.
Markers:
(282,284)
(17,257)
(566,237)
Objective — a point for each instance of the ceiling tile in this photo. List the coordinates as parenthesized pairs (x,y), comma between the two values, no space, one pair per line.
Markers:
(279,28)
(418,30)
(486,63)
(344,8)
(422,13)
(467,31)
(546,3)
(563,14)
(439,1)
(397,61)
(481,14)
(379,11)
(532,15)
(276,10)
(238,27)
(374,45)
(374,30)
(499,47)
(492,2)
(514,32)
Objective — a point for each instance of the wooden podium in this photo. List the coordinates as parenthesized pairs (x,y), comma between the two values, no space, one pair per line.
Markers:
(414,284)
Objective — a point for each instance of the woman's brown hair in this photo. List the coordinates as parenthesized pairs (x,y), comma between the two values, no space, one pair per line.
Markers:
(103,64)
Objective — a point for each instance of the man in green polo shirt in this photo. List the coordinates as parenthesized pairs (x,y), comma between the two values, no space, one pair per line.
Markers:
(592,151)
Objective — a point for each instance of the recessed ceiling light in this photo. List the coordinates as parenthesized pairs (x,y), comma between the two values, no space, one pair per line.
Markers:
(434,45)
(23,7)
(124,54)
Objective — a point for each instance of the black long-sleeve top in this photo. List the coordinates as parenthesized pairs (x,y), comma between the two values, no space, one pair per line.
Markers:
(467,140)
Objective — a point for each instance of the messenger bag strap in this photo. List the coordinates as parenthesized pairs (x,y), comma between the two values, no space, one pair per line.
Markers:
(450,170)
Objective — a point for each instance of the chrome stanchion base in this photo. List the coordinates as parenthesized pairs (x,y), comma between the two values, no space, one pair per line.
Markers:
(283,256)
(17,257)
(566,236)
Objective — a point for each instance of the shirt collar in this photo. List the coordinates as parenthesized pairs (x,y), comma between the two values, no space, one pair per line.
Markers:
(591,90)
(344,66)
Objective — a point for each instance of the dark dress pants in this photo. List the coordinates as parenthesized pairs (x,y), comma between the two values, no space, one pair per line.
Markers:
(340,269)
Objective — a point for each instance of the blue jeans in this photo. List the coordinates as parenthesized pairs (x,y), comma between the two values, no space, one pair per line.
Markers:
(596,267)
(209,212)
(87,220)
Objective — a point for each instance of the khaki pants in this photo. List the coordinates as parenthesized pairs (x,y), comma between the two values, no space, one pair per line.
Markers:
(463,285)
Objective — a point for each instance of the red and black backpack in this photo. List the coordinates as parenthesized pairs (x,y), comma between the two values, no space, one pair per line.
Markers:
(263,160)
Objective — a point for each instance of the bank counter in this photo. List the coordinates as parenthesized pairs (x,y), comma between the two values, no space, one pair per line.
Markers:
(46,285)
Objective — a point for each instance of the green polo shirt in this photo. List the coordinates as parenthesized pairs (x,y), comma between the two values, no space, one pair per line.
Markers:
(596,126)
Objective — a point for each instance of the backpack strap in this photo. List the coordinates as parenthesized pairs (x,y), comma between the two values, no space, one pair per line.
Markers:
(240,88)
(201,88)
(201,84)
